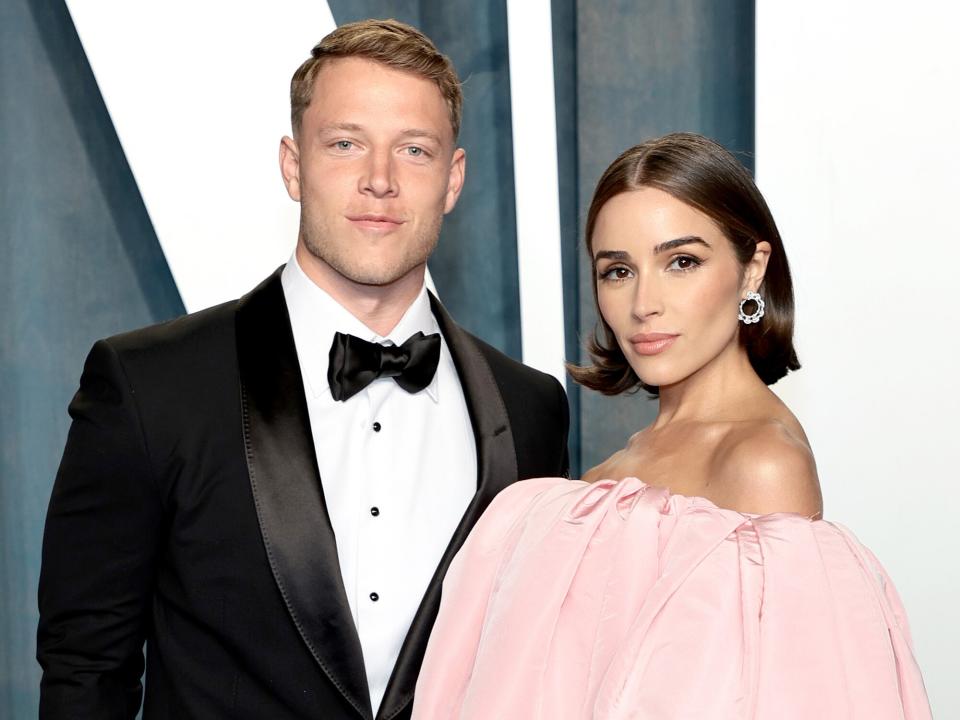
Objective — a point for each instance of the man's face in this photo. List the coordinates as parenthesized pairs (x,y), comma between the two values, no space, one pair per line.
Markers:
(374,169)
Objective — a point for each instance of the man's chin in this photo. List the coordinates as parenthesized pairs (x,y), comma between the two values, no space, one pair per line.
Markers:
(369,268)
(371,280)
(378,277)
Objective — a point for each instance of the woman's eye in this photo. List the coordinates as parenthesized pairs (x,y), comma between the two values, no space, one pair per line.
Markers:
(616,273)
(683,262)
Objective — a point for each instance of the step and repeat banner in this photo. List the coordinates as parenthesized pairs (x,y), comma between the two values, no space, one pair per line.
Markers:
(141,181)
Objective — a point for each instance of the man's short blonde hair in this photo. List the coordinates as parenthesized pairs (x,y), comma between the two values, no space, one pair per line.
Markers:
(390,42)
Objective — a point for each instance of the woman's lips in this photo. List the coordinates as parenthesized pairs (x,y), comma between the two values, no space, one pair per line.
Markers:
(652,343)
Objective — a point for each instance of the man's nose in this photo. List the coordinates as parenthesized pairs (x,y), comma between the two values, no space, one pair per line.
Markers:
(379,178)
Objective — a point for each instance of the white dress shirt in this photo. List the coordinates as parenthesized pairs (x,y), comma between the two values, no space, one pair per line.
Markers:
(398,469)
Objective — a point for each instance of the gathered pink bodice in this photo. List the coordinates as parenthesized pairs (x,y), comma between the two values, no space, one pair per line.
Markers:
(619,600)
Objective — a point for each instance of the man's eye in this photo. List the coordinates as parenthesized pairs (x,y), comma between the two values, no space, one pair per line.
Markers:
(415,151)
(344,144)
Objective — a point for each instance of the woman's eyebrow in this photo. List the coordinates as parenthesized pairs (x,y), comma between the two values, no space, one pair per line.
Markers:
(680,241)
(611,255)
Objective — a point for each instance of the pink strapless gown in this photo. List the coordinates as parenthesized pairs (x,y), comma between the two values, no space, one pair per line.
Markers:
(618,600)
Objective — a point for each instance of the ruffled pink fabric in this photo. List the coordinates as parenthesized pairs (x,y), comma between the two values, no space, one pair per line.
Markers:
(618,600)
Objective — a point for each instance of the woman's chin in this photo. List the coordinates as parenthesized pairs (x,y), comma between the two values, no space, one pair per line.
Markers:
(653,374)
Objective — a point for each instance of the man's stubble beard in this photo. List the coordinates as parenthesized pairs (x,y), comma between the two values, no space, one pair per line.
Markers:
(316,236)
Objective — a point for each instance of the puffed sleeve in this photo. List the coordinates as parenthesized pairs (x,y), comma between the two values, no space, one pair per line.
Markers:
(467,588)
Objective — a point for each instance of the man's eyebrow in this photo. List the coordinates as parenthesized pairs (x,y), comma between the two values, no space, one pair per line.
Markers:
(611,255)
(679,242)
(351,127)
(421,133)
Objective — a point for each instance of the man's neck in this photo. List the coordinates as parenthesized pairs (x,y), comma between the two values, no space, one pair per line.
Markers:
(379,307)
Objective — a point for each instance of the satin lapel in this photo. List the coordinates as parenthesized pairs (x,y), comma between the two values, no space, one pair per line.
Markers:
(496,469)
(289,498)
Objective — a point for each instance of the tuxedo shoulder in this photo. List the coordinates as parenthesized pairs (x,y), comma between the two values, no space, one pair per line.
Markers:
(536,404)
(194,330)
(181,372)
(510,371)
(191,353)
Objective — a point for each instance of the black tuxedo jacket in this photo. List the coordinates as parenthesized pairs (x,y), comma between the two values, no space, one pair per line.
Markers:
(188,512)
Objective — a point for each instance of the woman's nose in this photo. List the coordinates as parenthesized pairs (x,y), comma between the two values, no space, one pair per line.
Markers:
(648,298)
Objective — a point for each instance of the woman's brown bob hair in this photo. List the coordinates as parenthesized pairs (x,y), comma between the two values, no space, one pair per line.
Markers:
(705,176)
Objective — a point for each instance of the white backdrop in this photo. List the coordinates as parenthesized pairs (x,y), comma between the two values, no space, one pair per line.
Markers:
(199,95)
(858,150)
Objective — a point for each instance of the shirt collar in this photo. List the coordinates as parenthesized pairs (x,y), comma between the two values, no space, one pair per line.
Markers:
(315,317)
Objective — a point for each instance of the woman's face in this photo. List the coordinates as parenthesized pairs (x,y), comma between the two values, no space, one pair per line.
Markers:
(669,284)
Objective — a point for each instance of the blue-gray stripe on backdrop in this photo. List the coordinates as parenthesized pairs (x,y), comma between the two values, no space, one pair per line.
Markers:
(81,261)
(646,68)
(564,16)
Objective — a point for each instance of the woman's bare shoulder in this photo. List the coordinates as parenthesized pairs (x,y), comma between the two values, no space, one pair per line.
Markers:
(617,464)
(601,471)
(767,466)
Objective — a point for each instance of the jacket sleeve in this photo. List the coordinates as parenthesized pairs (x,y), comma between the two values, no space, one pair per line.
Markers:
(99,553)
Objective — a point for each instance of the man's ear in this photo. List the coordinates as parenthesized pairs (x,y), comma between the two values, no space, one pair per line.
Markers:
(756,268)
(290,166)
(458,169)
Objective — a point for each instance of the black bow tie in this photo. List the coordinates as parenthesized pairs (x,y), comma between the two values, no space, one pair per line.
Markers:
(355,363)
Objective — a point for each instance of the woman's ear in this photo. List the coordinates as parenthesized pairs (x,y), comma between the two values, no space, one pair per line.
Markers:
(756,268)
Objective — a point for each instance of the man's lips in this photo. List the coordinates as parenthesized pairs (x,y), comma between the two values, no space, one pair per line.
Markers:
(373,221)
(652,343)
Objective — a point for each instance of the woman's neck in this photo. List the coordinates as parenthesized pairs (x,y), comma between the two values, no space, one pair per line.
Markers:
(724,389)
